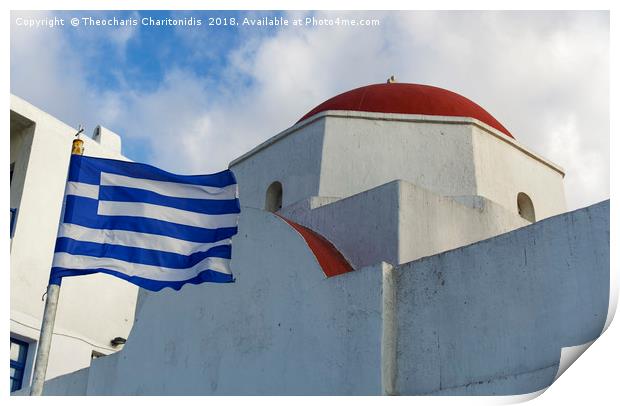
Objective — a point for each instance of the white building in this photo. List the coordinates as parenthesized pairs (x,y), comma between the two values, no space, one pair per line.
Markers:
(406,255)
(92,310)
(398,158)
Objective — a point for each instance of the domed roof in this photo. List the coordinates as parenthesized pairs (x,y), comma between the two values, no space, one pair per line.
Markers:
(408,98)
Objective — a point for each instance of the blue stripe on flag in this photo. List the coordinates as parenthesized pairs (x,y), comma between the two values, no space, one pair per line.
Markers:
(205,206)
(139,255)
(88,170)
(132,199)
(150,284)
(83,211)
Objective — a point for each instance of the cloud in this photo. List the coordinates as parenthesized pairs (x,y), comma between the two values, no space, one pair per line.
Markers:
(544,75)
(172,121)
(50,71)
(46,72)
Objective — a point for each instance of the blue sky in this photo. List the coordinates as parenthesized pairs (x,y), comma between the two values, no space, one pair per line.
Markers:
(120,59)
(191,99)
(151,51)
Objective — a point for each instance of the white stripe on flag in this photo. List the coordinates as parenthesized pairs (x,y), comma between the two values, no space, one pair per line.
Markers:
(65,260)
(135,239)
(82,189)
(178,216)
(171,188)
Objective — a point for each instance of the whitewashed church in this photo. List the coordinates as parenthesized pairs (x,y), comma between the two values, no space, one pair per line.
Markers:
(396,240)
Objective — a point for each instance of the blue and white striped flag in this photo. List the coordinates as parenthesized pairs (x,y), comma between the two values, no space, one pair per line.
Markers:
(147,226)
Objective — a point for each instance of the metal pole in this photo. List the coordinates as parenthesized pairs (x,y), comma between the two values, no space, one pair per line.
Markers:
(49,315)
(45,340)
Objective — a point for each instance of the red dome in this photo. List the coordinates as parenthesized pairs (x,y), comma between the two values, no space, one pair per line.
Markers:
(408,98)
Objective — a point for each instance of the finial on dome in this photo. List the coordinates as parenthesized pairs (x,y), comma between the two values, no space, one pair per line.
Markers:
(391,79)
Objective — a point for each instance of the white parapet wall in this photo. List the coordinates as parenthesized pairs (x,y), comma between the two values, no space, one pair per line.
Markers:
(281,328)
(491,318)
(399,222)
(488,318)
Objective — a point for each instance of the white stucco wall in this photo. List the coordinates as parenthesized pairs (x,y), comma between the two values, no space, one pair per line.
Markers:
(502,171)
(430,224)
(337,154)
(399,222)
(292,158)
(492,317)
(93,309)
(281,328)
(365,150)
(364,227)
(488,318)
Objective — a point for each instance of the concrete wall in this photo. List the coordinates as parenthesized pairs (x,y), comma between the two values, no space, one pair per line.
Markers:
(339,154)
(429,224)
(362,151)
(93,309)
(399,222)
(281,328)
(292,158)
(364,227)
(488,318)
(501,180)
(492,317)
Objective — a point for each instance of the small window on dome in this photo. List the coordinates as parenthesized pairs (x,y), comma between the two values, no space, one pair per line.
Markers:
(526,207)
(273,198)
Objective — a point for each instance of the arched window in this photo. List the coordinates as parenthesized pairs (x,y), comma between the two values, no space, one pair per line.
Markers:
(273,198)
(526,207)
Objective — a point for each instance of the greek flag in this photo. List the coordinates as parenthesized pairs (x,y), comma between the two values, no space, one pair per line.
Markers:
(147,226)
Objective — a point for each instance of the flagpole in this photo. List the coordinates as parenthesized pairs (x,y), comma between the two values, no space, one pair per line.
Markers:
(49,315)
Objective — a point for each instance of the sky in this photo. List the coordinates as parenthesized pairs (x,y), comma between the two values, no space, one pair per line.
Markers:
(190,99)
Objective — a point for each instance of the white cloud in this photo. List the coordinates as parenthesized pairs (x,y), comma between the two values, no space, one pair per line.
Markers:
(171,120)
(46,72)
(49,72)
(543,75)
